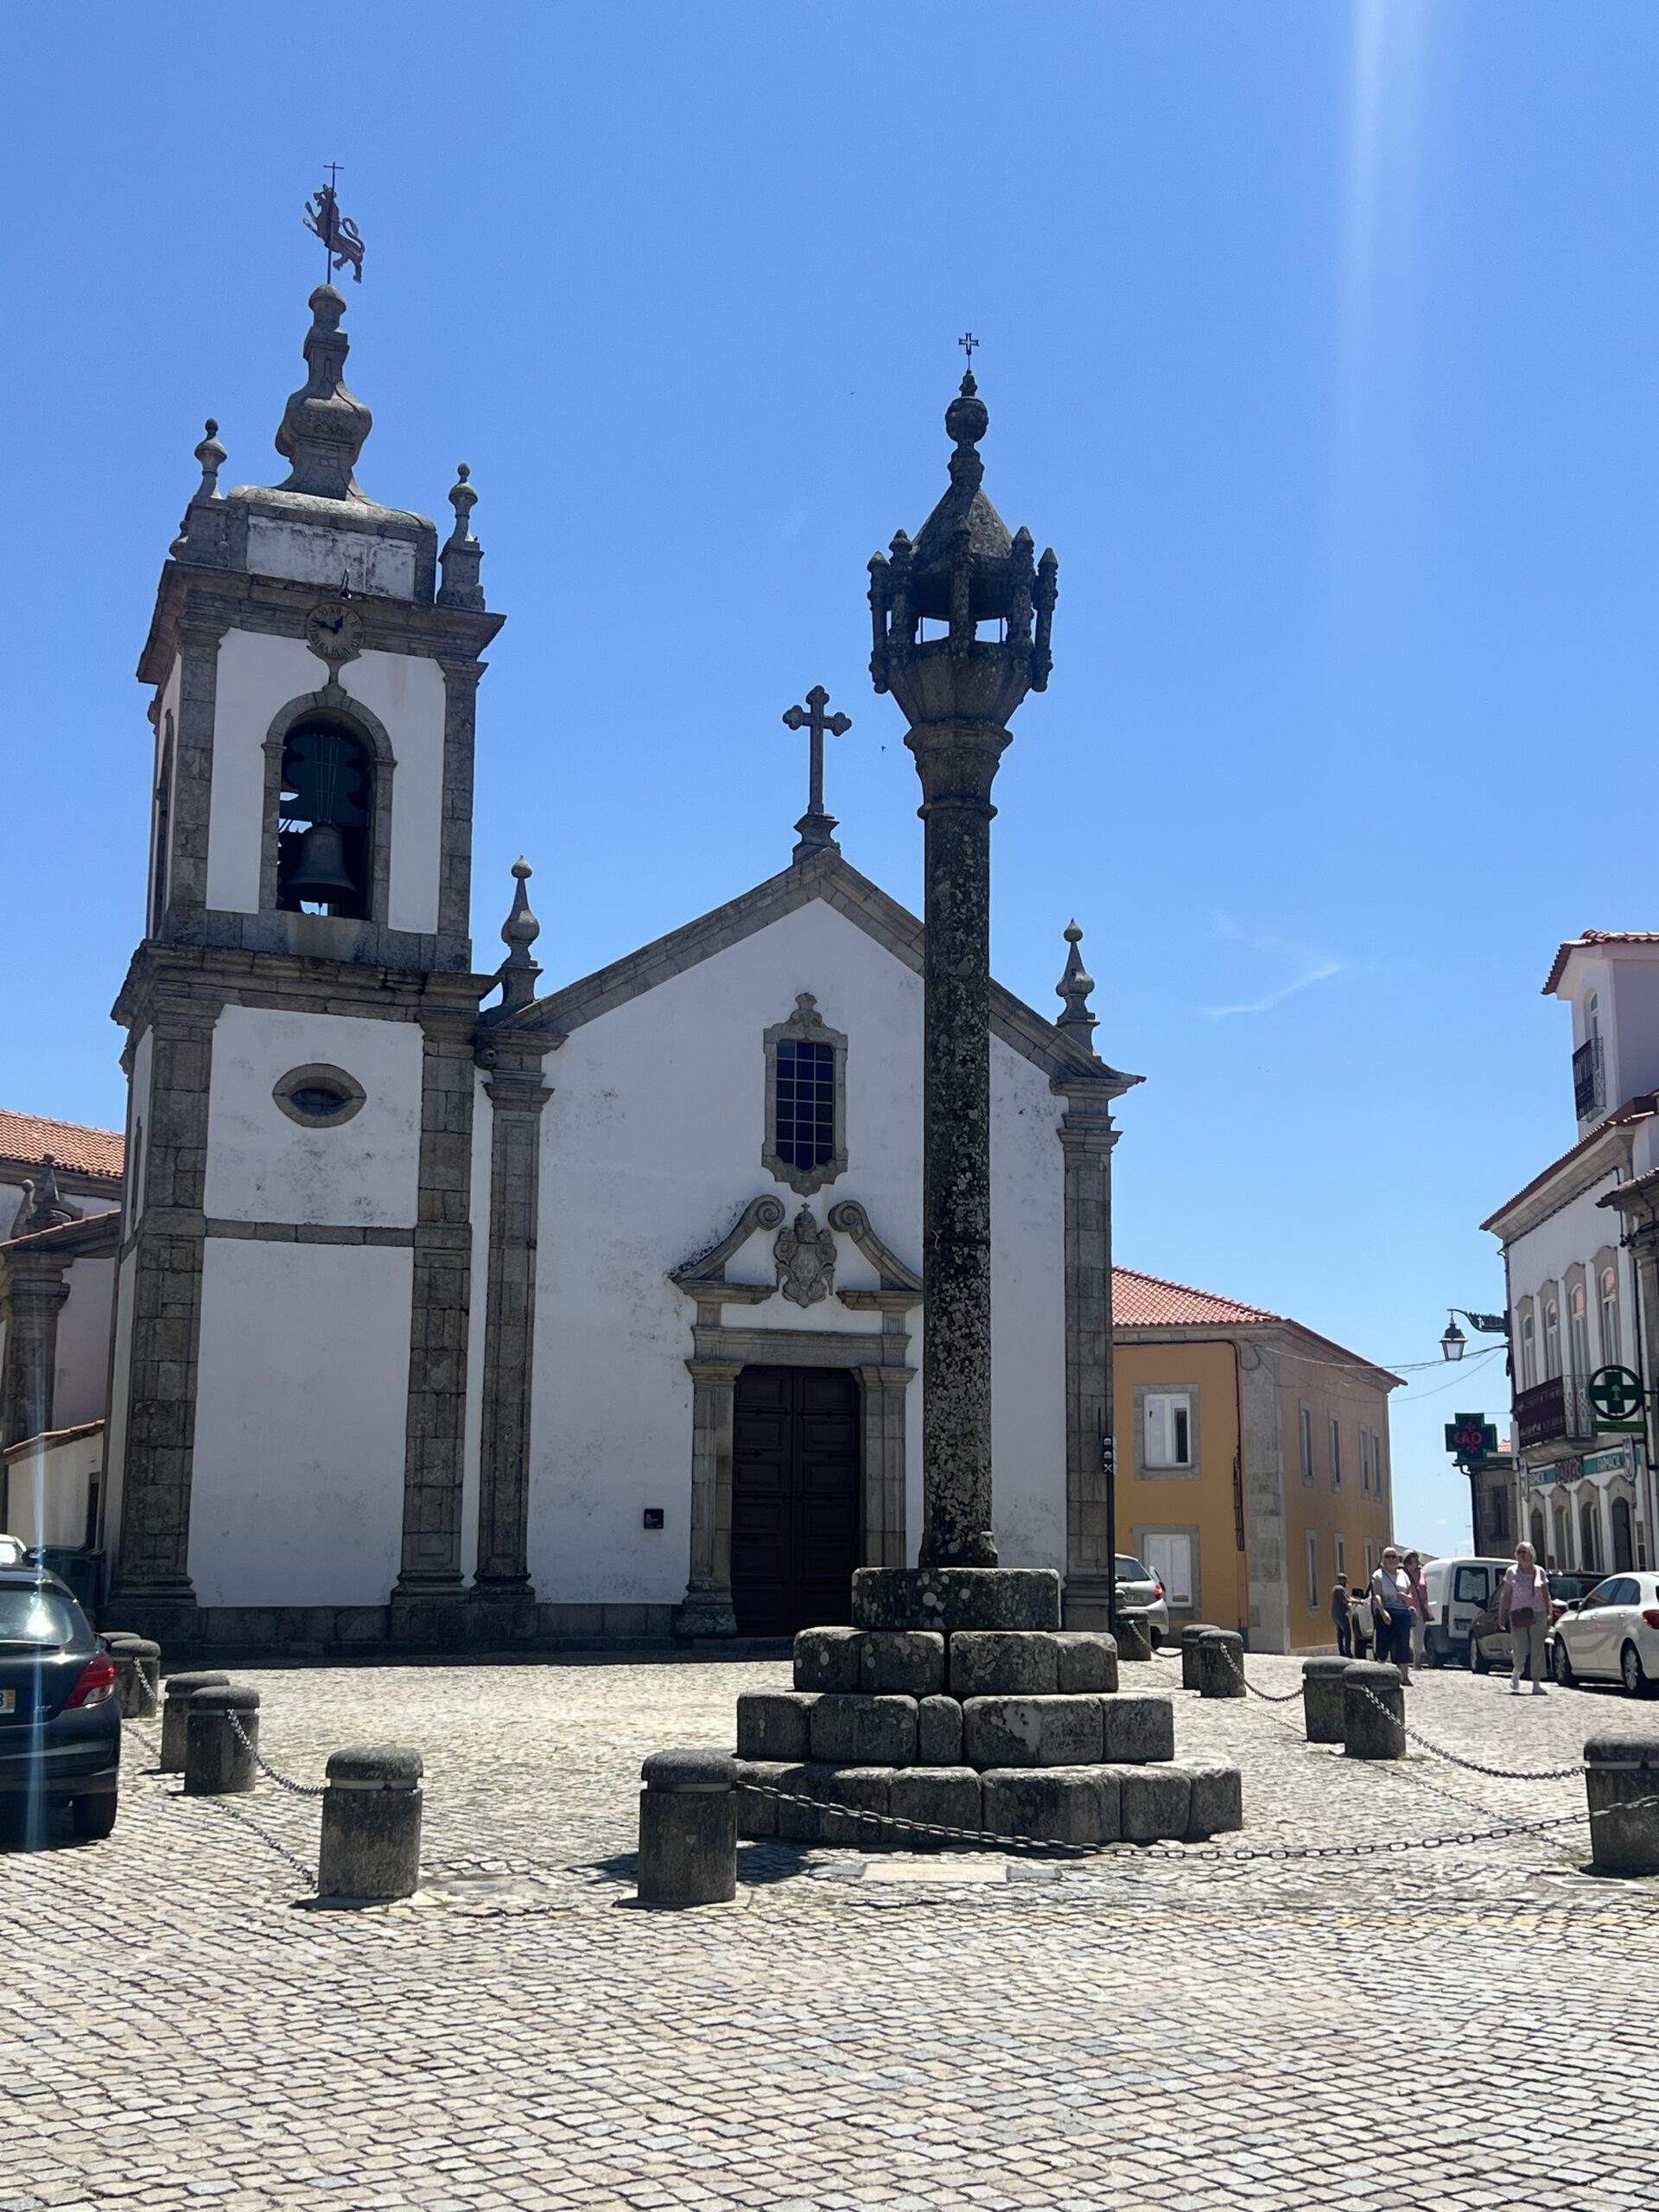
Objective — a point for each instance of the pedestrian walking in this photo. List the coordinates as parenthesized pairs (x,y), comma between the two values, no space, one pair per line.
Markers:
(1418,1588)
(1342,1617)
(1523,1609)
(1392,1604)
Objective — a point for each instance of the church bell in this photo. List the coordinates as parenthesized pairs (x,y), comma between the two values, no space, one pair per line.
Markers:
(320,871)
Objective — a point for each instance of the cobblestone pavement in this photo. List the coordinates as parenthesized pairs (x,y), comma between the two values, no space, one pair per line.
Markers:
(1457,2028)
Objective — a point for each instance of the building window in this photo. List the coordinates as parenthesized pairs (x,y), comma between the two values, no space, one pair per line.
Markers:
(325,817)
(1370,1561)
(1170,1554)
(1590,1537)
(1578,1323)
(1341,1544)
(319,1096)
(1365,1459)
(1552,1338)
(1336,1454)
(1313,1543)
(1562,1521)
(1308,1443)
(163,830)
(1379,1461)
(805,1106)
(1610,1317)
(1166,1429)
(1528,1352)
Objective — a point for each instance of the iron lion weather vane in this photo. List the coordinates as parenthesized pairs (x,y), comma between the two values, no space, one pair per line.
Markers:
(342,242)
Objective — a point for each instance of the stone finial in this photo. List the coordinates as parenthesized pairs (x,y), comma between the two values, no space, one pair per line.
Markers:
(462,552)
(1074,988)
(43,1206)
(210,458)
(324,425)
(518,972)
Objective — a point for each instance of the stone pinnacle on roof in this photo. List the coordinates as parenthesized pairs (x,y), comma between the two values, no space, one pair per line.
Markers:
(210,458)
(462,553)
(43,1207)
(1074,988)
(324,425)
(518,972)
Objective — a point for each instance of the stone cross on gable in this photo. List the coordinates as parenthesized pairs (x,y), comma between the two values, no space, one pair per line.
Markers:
(816,828)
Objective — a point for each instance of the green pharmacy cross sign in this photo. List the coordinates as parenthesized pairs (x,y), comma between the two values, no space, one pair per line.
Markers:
(1470,1439)
(1617,1397)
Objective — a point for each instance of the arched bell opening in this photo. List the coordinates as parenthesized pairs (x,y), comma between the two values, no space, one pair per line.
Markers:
(325,839)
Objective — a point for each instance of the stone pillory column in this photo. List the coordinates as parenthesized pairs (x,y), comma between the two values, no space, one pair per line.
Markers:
(959,691)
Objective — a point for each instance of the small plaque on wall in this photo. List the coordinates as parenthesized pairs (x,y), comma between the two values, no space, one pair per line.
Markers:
(653,1516)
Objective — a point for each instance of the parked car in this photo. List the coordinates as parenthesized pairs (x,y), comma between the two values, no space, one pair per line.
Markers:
(1138,1586)
(59,1728)
(1458,1589)
(1612,1634)
(1489,1644)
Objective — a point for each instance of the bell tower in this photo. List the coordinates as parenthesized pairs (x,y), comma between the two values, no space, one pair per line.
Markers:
(292,1312)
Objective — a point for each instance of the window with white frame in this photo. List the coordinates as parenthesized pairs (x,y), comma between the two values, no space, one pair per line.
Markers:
(1341,1543)
(1364,1459)
(1313,1542)
(1166,1429)
(1578,1323)
(1552,1337)
(1308,1443)
(1609,1302)
(1336,1454)
(1379,1463)
(1168,1552)
(1528,1351)
(1370,1561)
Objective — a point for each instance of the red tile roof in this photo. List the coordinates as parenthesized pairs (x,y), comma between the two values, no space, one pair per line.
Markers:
(1145,1302)
(1642,1108)
(27,1138)
(1593,936)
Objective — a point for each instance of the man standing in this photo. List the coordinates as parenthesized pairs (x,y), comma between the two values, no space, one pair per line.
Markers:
(1342,1617)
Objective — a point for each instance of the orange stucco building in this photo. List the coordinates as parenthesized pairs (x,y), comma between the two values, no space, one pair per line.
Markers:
(1253,1462)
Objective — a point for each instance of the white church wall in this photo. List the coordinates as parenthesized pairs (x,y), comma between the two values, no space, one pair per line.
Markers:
(81,1384)
(297,1491)
(262,1166)
(651,1147)
(257,677)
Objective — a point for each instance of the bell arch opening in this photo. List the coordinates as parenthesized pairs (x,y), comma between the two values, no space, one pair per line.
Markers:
(325,827)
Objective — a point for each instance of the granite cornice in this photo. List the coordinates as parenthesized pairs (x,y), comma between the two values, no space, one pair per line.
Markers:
(225,598)
(194,980)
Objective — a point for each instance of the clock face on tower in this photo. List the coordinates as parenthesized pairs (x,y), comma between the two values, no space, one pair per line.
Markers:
(333,632)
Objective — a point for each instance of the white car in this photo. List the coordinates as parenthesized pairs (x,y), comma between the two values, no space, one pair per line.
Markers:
(1612,1636)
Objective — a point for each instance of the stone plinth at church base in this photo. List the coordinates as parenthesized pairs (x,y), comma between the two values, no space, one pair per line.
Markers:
(1021,1732)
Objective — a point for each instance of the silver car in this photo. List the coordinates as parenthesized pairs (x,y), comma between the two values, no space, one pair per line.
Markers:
(1138,1586)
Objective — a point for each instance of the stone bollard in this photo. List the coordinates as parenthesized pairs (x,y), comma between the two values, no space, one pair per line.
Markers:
(1621,1768)
(1134,1637)
(175,1714)
(137,1677)
(1322,1700)
(370,1848)
(688,1828)
(1221,1664)
(217,1763)
(1191,1635)
(1373,1711)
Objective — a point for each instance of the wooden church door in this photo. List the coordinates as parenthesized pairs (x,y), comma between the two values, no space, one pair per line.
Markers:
(795,1498)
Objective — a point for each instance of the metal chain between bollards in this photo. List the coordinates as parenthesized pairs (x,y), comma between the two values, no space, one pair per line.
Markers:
(1474,1766)
(282,1782)
(1266,1696)
(1239,1854)
(306,1874)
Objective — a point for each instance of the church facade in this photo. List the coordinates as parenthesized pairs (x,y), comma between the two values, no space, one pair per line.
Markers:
(441,1316)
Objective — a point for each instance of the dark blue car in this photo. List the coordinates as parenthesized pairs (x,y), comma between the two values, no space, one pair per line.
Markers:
(59,1727)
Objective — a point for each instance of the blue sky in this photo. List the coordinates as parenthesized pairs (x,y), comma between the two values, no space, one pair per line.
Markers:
(1320,339)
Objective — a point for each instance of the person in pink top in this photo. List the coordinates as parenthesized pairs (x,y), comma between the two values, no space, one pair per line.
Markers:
(1523,1609)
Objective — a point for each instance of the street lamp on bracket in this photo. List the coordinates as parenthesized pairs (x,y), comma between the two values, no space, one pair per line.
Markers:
(1453,1342)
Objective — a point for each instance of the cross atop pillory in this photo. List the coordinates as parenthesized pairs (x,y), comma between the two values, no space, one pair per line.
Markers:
(816,828)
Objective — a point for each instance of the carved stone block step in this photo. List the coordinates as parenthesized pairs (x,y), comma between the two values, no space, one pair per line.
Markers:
(946,1598)
(888,1729)
(970,1662)
(1081,1804)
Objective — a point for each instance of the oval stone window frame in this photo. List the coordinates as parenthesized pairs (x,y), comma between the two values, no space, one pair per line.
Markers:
(320,1076)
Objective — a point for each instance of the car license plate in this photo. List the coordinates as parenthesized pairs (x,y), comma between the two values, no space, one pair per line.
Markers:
(7,1700)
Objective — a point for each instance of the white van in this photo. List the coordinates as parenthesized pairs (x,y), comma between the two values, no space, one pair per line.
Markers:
(1458,1590)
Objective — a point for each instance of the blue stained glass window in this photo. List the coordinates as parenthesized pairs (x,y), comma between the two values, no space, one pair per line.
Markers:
(804,1109)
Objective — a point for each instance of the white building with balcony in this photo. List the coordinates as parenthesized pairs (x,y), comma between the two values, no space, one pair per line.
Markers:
(1576,1302)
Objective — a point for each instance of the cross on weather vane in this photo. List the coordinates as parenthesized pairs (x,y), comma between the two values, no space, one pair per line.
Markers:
(969,345)
(342,242)
(816,827)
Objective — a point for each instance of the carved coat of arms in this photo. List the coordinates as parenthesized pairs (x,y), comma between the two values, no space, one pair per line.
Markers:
(806,1255)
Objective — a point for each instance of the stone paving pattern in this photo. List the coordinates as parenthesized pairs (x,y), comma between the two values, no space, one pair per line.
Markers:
(876,2034)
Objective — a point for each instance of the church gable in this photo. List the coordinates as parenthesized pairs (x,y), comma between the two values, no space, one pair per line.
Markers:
(823,876)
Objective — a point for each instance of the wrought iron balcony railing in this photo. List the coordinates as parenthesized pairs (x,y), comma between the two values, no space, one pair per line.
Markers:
(1552,1410)
(1587,1095)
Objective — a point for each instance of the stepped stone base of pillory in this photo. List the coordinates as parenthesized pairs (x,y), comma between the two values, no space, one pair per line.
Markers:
(1322,1702)
(946,1598)
(1191,1635)
(1373,1711)
(1621,1783)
